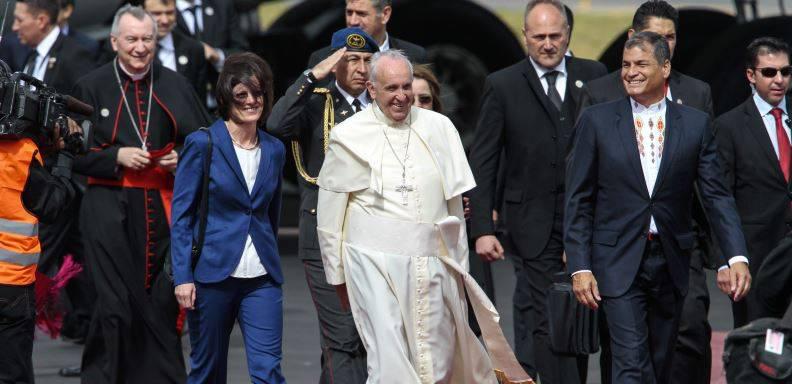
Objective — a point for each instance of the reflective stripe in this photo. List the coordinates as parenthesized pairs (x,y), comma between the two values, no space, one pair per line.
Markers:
(23,259)
(18,228)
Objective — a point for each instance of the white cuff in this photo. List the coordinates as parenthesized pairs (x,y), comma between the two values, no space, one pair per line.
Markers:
(220,61)
(723,267)
(582,270)
(738,259)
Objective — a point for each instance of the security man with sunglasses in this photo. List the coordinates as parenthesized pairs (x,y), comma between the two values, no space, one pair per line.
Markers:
(753,141)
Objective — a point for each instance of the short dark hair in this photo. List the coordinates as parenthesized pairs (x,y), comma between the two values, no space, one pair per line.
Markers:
(654,8)
(250,70)
(424,71)
(652,40)
(764,46)
(48,7)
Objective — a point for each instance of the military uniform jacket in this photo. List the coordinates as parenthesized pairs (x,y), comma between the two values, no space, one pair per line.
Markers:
(299,115)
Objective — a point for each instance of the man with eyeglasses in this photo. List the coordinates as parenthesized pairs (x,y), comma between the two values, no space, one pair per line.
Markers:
(753,142)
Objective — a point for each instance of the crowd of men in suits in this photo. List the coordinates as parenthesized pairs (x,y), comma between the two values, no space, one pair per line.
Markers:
(533,119)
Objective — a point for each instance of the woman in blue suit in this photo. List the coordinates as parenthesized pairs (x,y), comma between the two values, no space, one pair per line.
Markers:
(238,274)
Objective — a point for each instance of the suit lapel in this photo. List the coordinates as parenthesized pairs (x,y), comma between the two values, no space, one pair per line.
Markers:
(209,11)
(178,52)
(673,132)
(226,148)
(755,124)
(572,88)
(626,133)
(53,54)
(342,109)
(265,163)
(536,86)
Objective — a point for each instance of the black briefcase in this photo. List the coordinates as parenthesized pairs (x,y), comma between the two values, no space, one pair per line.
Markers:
(573,326)
(760,352)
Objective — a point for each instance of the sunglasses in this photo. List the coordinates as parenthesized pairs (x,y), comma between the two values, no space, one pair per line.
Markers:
(241,97)
(771,72)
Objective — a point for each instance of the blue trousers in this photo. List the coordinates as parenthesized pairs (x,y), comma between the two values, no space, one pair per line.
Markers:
(257,304)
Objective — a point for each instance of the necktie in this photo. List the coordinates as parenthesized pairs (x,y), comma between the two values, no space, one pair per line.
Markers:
(356,105)
(784,148)
(30,65)
(196,11)
(552,92)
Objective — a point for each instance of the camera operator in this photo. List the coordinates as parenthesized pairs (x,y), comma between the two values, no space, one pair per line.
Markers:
(29,194)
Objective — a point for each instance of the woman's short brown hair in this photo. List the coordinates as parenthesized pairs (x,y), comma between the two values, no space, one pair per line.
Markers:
(423,71)
(250,70)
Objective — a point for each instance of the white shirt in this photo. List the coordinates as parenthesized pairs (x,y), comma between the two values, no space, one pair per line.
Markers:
(166,52)
(561,79)
(249,265)
(385,44)
(649,123)
(189,19)
(769,121)
(42,49)
(363,97)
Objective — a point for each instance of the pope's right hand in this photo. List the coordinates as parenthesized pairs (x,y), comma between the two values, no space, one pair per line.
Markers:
(321,70)
(185,295)
(133,158)
(489,248)
(585,287)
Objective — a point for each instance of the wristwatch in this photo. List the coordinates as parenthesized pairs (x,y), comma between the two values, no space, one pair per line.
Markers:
(309,75)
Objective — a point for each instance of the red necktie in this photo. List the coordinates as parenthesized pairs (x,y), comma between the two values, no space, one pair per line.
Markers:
(784,149)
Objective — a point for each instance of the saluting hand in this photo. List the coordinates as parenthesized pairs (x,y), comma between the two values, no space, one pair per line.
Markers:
(185,295)
(321,70)
(133,158)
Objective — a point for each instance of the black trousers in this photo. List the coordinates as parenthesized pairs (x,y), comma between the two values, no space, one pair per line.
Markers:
(534,278)
(17,323)
(343,354)
(693,355)
(643,323)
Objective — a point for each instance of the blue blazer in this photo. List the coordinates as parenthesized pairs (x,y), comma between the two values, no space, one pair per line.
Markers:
(608,208)
(233,211)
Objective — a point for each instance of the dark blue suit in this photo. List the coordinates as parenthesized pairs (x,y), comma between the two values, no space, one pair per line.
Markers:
(233,214)
(608,209)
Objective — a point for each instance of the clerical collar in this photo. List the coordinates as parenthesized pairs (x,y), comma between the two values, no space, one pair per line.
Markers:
(540,70)
(658,107)
(46,44)
(363,96)
(383,118)
(764,107)
(134,77)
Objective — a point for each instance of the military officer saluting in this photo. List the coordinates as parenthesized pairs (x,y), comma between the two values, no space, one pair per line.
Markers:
(305,115)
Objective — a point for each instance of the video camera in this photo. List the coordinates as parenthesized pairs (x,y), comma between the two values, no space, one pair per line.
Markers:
(30,107)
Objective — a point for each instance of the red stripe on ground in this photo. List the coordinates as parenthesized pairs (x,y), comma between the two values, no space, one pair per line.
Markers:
(718,376)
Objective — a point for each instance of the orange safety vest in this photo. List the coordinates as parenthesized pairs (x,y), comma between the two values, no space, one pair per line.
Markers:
(19,243)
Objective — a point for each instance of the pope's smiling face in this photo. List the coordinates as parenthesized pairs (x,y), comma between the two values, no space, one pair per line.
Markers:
(643,77)
(392,89)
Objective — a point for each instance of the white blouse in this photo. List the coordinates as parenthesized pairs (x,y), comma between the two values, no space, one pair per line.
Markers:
(249,265)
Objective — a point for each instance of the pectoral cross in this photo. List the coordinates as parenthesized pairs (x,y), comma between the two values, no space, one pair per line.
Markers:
(404,188)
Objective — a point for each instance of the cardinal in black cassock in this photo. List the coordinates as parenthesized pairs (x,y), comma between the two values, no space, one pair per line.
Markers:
(125,215)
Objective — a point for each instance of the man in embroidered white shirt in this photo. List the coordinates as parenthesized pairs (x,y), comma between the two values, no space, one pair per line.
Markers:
(628,235)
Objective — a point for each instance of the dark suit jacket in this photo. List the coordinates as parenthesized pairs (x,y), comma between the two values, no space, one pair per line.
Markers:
(221,28)
(233,212)
(608,207)
(299,115)
(685,90)
(754,176)
(68,61)
(194,67)
(773,282)
(90,44)
(518,118)
(415,53)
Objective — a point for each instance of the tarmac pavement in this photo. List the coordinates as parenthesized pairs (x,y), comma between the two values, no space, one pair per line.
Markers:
(301,343)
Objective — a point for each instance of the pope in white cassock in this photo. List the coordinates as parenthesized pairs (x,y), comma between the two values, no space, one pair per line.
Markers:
(392,237)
